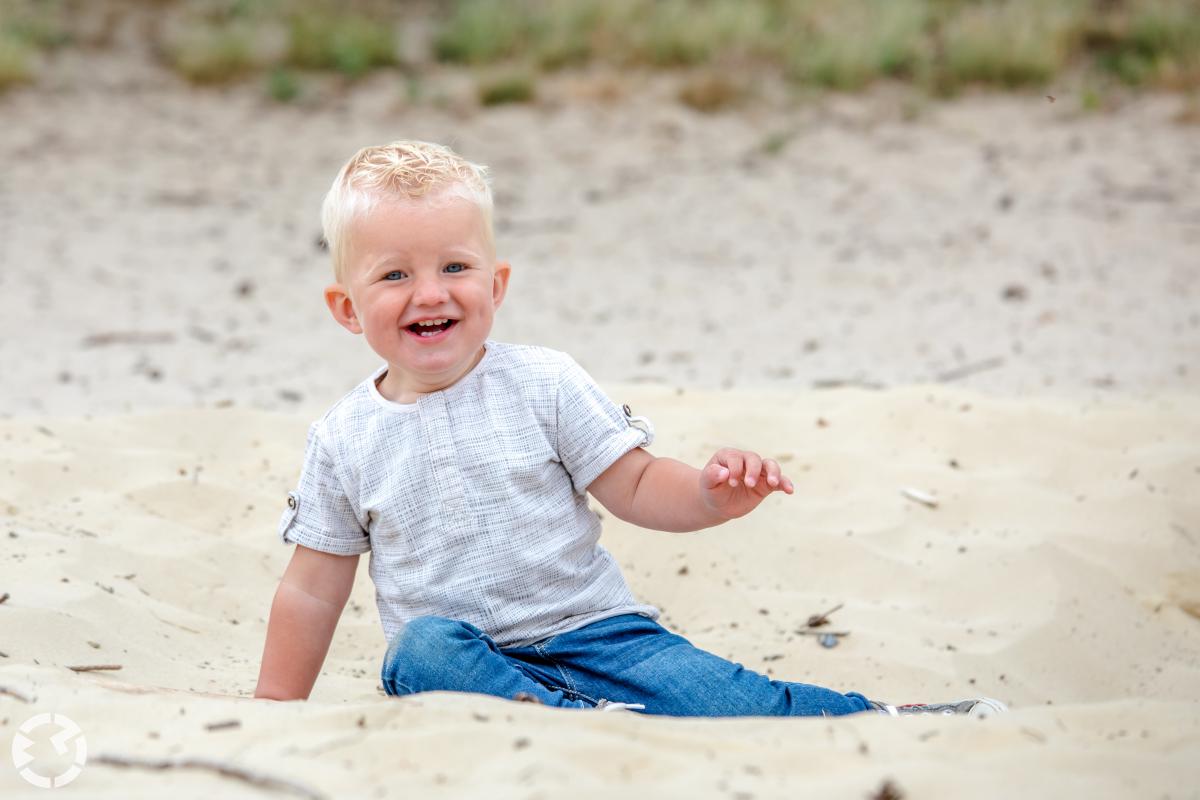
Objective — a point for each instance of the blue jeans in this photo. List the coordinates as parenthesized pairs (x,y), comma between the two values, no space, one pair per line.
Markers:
(627,658)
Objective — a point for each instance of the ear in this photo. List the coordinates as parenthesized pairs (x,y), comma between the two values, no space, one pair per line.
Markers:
(500,276)
(342,307)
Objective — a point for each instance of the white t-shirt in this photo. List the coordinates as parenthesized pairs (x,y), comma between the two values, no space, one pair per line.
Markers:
(472,501)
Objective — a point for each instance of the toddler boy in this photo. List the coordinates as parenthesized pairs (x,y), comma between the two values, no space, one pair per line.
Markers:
(463,466)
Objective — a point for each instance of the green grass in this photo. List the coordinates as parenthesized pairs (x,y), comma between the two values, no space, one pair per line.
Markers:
(836,44)
(517,87)
(41,24)
(482,31)
(845,45)
(15,62)
(28,27)
(1012,44)
(1090,99)
(213,54)
(352,44)
(567,34)
(1154,42)
(282,85)
(888,41)
(685,32)
(560,33)
(220,41)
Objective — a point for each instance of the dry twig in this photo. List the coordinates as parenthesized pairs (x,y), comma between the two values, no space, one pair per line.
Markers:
(94,667)
(223,725)
(970,369)
(220,767)
(128,337)
(14,693)
(817,620)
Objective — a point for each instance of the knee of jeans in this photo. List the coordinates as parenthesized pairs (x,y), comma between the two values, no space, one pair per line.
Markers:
(420,648)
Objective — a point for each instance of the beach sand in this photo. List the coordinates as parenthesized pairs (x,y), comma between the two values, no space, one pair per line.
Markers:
(1059,573)
(1000,290)
(159,243)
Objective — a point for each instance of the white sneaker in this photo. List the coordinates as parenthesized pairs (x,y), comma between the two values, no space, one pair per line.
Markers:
(979,707)
(609,705)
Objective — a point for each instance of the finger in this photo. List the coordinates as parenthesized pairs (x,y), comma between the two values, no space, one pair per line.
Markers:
(733,460)
(753,468)
(714,475)
(771,467)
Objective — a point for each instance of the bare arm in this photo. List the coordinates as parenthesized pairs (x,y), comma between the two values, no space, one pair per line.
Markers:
(304,615)
(667,495)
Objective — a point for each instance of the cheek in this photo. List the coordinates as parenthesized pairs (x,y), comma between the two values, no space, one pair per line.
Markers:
(479,300)
(382,305)
(379,315)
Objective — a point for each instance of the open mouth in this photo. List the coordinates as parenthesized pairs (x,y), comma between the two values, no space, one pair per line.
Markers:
(431,329)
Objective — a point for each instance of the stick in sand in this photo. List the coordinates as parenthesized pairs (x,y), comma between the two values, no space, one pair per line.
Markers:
(817,620)
(970,369)
(220,767)
(14,693)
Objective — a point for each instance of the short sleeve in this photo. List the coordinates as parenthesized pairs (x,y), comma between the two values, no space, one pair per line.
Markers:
(318,514)
(593,431)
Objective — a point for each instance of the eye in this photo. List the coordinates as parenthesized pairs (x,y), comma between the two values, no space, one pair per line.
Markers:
(396,272)
(460,267)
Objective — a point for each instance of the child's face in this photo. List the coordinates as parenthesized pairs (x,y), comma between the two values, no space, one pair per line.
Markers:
(409,262)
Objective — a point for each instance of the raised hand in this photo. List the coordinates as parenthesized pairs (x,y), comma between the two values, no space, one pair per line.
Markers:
(734,482)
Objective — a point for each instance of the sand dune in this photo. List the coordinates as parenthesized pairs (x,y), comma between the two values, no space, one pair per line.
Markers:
(1060,572)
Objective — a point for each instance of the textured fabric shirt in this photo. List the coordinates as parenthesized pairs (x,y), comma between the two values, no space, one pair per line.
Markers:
(472,501)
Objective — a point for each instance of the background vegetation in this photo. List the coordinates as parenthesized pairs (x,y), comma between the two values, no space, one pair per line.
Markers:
(941,46)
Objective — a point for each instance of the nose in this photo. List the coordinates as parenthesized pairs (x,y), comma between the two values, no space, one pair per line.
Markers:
(429,291)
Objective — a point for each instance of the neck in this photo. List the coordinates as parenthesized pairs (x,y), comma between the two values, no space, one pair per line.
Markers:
(398,388)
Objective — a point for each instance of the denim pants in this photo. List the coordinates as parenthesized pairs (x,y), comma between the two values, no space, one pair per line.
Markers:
(627,658)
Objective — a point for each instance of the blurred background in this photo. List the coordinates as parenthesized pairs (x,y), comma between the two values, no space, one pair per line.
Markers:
(797,193)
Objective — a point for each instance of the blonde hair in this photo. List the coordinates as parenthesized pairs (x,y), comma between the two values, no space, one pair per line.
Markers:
(402,170)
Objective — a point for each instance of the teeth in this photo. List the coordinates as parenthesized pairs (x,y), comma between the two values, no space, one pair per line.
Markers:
(429,322)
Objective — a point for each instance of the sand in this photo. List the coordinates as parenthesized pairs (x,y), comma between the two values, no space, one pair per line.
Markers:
(159,244)
(1059,573)
(1001,292)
